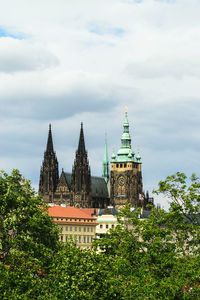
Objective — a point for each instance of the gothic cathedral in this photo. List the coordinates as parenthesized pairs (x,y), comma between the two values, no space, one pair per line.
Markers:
(120,186)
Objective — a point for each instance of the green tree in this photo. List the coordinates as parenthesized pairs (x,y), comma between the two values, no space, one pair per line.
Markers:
(155,258)
(28,236)
(159,257)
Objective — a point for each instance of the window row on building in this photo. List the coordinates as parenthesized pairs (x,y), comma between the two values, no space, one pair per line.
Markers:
(77,238)
(74,220)
(77,228)
(107,226)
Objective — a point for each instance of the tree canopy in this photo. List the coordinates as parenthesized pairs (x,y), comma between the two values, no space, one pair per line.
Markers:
(155,258)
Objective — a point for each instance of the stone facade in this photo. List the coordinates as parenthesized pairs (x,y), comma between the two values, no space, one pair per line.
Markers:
(49,173)
(74,225)
(126,175)
(79,189)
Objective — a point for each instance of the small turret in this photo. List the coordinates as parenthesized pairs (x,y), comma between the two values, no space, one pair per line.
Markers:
(105,167)
(138,157)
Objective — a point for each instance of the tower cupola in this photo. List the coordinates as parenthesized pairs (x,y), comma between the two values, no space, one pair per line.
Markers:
(125,153)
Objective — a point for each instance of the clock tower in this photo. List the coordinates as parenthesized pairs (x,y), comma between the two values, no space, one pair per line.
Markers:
(126,174)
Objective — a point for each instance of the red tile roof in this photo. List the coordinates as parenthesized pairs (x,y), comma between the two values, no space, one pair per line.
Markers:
(90,211)
(68,212)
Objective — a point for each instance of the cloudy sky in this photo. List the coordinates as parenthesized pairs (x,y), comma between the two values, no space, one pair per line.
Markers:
(66,62)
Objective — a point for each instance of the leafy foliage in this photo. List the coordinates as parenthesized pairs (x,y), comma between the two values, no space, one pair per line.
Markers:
(159,257)
(28,236)
(155,258)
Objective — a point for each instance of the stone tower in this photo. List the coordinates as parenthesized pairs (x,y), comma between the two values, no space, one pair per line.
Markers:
(81,177)
(105,166)
(126,174)
(49,173)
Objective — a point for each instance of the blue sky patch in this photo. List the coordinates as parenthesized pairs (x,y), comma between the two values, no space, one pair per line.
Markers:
(167,1)
(101,30)
(5,33)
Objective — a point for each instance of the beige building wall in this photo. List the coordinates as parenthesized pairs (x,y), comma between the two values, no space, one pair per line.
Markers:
(82,232)
(105,223)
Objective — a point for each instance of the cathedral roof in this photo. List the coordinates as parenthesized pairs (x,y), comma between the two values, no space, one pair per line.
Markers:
(98,185)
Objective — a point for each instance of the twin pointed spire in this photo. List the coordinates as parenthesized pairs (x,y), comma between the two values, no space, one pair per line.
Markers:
(81,144)
(49,148)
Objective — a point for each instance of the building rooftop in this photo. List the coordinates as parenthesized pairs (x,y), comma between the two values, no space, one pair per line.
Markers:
(98,185)
(68,212)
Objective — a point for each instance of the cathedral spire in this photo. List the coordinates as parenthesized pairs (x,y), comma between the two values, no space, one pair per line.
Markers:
(49,148)
(81,145)
(81,177)
(105,167)
(49,173)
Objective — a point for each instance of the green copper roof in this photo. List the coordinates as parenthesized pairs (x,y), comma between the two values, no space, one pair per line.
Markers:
(138,157)
(113,157)
(126,153)
(105,167)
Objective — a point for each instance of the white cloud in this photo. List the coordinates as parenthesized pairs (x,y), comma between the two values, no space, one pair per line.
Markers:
(85,61)
(21,55)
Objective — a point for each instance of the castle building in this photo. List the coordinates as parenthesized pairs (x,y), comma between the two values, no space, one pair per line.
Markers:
(123,184)
(126,173)
(78,188)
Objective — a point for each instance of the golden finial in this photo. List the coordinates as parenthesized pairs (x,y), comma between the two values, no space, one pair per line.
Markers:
(126,109)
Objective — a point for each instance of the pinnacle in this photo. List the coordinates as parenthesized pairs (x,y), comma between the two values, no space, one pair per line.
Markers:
(49,148)
(81,145)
